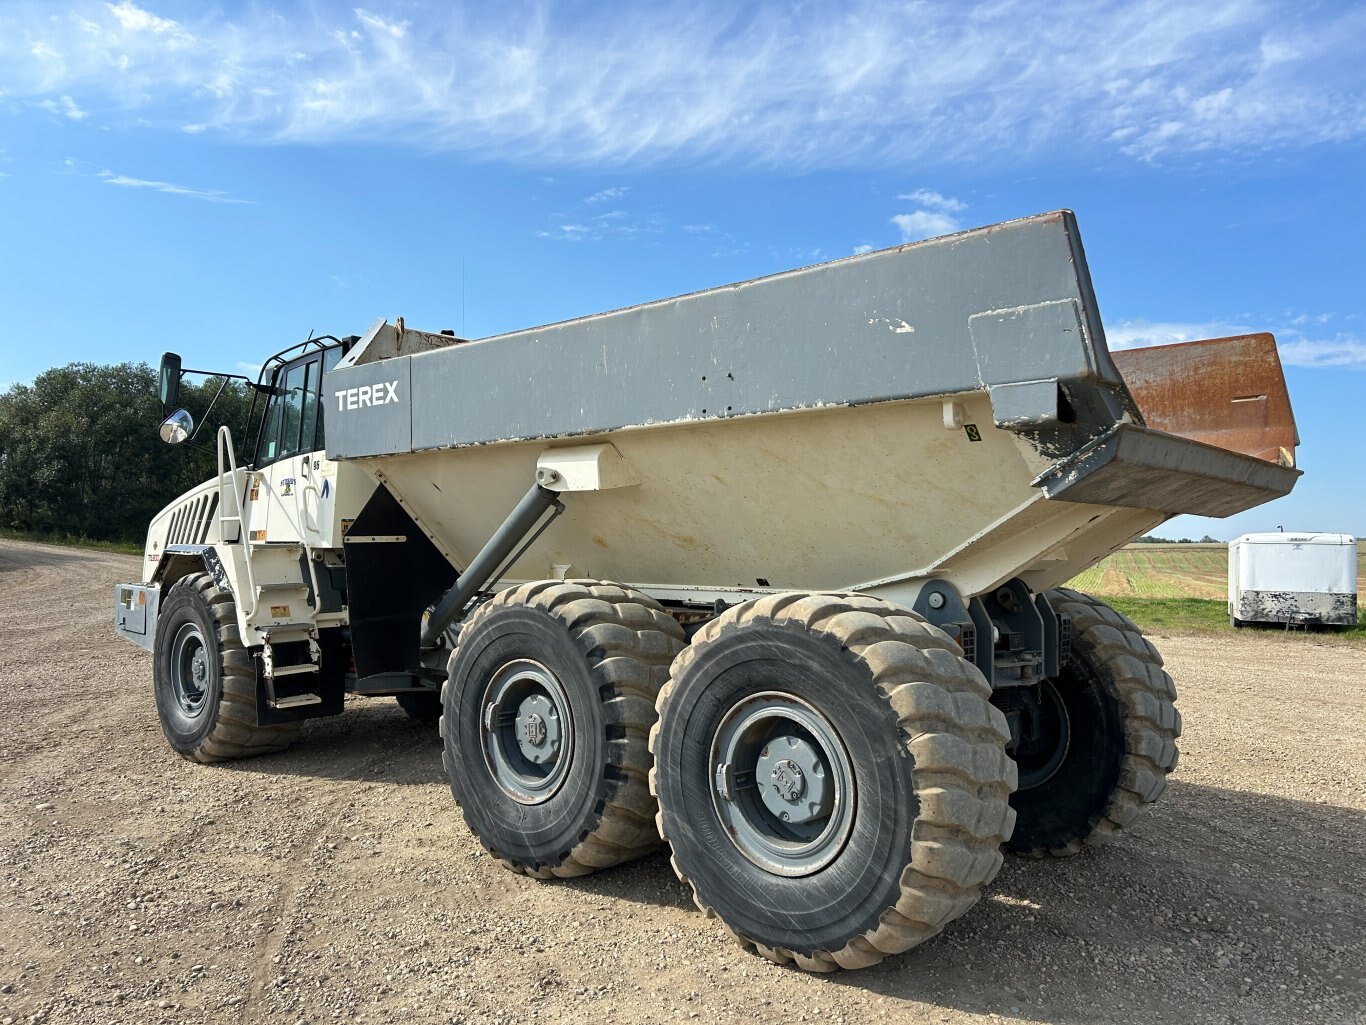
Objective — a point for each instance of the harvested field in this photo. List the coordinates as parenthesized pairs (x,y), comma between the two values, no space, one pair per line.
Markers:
(336,881)
(1170,571)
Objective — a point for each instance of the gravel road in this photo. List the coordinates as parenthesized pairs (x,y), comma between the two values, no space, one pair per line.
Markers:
(336,881)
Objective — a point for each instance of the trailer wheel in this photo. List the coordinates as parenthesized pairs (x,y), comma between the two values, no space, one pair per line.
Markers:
(205,679)
(1104,739)
(547,710)
(424,706)
(831,776)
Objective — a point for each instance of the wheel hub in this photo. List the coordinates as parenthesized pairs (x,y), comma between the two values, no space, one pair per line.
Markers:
(784,784)
(538,729)
(1042,735)
(527,731)
(189,669)
(797,787)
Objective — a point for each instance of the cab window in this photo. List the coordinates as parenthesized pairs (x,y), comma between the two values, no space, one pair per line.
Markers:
(293,420)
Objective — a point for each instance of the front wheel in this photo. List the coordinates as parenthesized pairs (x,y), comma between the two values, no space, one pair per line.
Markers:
(831,777)
(205,679)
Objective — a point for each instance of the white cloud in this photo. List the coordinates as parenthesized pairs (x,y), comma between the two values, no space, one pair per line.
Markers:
(615,192)
(568,232)
(863,247)
(1136,334)
(934,200)
(65,106)
(135,19)
(209,195)
(1343,351)
(881,85)
(925,224)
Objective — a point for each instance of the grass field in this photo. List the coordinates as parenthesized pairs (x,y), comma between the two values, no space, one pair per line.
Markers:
(1177,587)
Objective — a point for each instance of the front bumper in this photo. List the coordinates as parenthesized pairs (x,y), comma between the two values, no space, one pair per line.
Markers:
(135,613)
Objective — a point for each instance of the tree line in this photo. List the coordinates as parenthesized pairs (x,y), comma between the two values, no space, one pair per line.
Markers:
(80,455)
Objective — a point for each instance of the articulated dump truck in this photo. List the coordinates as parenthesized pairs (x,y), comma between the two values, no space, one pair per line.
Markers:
(769,574)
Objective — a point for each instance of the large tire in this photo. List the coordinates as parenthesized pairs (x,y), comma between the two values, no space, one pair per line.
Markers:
(579,663)
(894,711)
(205,679)
(424,706)
(1115,715)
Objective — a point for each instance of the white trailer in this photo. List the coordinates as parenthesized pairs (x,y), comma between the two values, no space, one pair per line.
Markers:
(1293,578)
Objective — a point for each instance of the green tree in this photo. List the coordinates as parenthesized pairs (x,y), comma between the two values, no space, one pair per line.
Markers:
(80,455)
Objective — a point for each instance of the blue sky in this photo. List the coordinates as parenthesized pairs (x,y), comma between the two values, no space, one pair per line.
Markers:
(222,180)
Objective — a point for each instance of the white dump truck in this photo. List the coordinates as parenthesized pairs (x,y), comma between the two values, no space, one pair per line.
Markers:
(767,573)
(1298,579)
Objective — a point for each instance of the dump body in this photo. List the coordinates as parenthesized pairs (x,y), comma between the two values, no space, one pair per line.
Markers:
(1229,392)
(947,409)
(1293,578)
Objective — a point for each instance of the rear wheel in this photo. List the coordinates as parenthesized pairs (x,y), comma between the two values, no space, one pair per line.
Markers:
(547,708)
(831,777)
(1096,743)
(205,679)
(424,706)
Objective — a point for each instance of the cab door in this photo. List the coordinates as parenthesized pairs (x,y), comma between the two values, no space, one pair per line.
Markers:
(290,445)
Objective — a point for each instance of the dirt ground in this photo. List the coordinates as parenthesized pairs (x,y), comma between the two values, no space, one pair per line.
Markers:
(337,882)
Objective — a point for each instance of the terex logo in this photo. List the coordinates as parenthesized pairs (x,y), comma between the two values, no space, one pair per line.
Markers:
(367,395)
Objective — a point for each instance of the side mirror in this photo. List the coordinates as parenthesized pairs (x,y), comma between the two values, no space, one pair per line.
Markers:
(170,383)
(178,426)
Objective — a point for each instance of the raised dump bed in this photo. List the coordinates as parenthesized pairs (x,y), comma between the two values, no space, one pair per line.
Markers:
(944,409)
(767,572)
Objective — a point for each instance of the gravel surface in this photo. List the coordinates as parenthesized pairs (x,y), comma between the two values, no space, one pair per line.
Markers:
(336,881)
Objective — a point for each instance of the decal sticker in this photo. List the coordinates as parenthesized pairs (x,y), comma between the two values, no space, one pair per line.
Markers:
(327,487)
(280,611)
(258,535)
(287,486)
(367,395)
(973,433)
(255,491)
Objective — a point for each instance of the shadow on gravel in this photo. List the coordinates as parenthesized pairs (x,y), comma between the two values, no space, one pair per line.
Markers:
(1221,905)
(373,741)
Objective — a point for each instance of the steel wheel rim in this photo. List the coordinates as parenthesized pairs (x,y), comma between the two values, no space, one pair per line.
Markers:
(526,727)
(1039,762)
(189,670)
(782,784)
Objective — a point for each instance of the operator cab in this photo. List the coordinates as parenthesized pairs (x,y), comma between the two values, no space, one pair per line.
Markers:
(291,381)
(293,420)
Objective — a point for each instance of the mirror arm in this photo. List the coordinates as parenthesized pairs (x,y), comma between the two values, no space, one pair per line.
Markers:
(205,418)
(218,373)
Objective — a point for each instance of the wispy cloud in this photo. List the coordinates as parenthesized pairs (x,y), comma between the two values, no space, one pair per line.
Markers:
(881,84)
(936,215)
(208,195)
(925,224)
(1342,350)
(63,106)
(620,224)
(934,200)
(615,192)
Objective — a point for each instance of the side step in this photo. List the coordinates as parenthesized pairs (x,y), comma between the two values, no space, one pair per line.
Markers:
(296,683)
